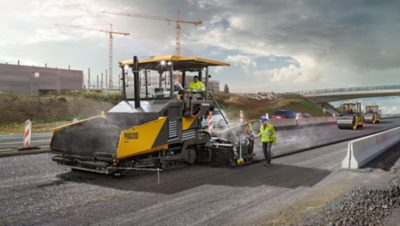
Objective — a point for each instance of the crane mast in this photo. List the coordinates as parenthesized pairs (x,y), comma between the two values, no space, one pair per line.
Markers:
(178,21)
(110,33)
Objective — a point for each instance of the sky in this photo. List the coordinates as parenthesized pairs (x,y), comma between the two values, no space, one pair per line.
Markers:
(278,45)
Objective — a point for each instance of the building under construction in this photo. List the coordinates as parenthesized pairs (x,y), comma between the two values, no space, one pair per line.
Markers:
(35,80)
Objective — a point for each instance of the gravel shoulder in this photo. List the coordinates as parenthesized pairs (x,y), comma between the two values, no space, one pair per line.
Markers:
(373,199)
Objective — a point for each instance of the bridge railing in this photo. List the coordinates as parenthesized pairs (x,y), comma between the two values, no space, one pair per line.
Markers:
(350,89)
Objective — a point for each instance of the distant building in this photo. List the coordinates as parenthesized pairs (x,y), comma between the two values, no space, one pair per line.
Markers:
(34,80)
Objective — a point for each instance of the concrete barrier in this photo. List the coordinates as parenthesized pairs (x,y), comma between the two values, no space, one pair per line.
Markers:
(363,150)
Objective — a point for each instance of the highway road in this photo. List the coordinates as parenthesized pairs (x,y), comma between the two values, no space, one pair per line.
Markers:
(34,190)
(16,141)
(289,140)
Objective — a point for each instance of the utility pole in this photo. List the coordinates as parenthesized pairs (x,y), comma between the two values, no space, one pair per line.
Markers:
(88,81)
(97,87)
(101,81)
(119,81)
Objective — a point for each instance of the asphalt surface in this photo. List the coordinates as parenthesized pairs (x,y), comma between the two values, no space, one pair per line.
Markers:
(287,136)
(290,141)
(34,190)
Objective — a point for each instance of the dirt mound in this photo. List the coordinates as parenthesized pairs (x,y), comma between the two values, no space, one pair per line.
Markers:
(17,108)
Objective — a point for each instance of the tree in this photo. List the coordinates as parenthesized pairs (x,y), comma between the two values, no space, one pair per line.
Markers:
(226,88)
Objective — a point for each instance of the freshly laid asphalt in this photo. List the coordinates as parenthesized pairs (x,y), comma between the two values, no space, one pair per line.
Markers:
(35,190)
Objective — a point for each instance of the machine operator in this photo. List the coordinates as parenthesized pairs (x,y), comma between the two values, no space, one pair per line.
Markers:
(268,137)
(196,85)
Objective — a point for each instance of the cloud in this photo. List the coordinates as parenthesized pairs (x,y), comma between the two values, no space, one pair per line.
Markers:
(12,60)
(206,4)
(303,72)
(290,73)
(46,35)
(60,8)
(350,37)
(243,61)
(332,43)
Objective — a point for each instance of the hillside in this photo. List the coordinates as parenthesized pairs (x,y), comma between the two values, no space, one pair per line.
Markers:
(49,111)
(253,108)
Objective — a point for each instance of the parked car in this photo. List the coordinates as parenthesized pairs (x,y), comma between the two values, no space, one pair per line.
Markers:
(302,115)
(283,114)
(218,120)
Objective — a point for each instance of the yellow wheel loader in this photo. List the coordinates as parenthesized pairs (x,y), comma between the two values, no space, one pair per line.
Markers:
(351,116)
(155,126)
(372,114)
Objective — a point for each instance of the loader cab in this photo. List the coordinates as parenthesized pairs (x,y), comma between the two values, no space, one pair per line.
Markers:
(351,116)
(371,109)
(351,108)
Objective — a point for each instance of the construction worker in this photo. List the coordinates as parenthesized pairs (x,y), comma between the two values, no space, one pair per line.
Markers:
(196,86)
(268,137)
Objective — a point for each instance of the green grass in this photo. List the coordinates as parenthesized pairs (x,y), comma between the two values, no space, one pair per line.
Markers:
(253,109)
(311,108)
(111,97)
(37,127)
(231,103)
(51,110)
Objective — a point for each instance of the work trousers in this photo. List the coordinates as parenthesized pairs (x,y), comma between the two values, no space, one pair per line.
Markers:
(267,151)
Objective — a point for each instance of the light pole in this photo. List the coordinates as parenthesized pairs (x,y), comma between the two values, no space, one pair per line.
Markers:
(36,75)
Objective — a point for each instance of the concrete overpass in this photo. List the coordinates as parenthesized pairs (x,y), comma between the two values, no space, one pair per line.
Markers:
(328,95)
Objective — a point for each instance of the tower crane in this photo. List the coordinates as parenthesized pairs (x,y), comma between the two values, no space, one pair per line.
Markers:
(110,33)
(177,21)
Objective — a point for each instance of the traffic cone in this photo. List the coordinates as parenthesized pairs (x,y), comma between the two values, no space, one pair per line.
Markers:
(27,137)
(210,122)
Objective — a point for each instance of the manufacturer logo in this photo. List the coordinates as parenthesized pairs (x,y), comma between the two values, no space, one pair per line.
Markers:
(131,136)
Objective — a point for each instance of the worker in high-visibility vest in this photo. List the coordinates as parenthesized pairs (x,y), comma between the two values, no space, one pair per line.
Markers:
(268,137)
(196,85)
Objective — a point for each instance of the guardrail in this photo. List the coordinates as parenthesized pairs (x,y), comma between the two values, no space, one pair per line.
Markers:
(350,89)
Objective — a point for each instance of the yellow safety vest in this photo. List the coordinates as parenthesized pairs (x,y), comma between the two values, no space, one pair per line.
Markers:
(197,86)
(267,134)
